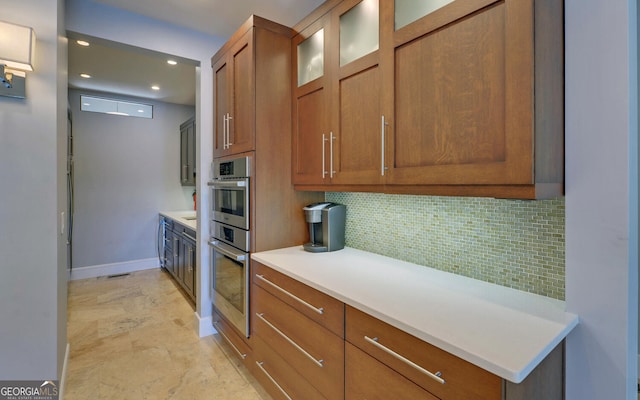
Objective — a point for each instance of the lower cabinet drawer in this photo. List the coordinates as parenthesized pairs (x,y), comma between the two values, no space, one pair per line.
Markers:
(231,337)
(439,372)
(312,350)
(278,377)
(323,309)
(369,379)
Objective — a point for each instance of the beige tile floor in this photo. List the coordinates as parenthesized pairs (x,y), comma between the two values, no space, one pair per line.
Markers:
(132,337)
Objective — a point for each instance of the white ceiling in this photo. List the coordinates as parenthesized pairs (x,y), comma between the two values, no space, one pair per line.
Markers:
(122,69)
(217,17)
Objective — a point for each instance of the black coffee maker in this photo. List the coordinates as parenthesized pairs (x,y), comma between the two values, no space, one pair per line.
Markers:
(326,226)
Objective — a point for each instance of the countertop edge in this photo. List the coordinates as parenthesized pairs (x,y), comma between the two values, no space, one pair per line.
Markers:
(515,375)
(179,217)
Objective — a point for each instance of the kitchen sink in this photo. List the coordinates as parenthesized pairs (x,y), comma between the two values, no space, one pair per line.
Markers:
(190,218)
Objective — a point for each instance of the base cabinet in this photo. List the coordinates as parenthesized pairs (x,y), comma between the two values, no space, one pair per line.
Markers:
(300,357)
(233,339)
(304,345)
(369,379)
(179,255)
(278,377)
(432,369)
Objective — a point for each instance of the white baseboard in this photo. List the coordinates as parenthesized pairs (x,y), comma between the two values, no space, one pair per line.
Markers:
(63,378)
(95,271)
(204,326)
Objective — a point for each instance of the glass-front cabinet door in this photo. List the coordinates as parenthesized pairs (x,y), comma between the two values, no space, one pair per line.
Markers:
(359,31)
(311,58)
(311,124)
(357,123)
(408,11)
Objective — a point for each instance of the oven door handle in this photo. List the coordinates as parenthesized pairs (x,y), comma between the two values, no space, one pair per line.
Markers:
(229,183)
(228,251)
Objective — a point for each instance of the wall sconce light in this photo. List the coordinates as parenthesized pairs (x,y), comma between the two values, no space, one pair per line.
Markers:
(17,45)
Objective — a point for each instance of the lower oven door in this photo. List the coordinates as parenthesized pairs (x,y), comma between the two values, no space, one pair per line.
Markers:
(230,272)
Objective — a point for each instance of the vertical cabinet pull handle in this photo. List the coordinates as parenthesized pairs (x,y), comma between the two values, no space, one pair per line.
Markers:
(435,376)
(331,171)
(224,132)
(319,310)
(260,365)
(288,339)
(229,118)
(382,130)
(324,170)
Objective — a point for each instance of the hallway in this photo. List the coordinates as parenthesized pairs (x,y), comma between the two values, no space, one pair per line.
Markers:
(132,337)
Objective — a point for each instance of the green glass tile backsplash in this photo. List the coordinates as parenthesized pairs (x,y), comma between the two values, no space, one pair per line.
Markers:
(514,243)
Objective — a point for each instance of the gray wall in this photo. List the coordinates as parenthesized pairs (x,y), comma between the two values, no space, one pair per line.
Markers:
(601,198)
(32,246)
(126,170)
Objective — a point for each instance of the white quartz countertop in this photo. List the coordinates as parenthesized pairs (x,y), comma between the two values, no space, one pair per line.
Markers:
(504,331)
(185,218)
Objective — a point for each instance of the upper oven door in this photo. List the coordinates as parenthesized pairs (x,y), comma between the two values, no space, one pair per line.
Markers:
(230,202)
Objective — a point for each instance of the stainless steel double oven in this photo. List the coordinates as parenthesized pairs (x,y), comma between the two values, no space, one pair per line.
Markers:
(230,240)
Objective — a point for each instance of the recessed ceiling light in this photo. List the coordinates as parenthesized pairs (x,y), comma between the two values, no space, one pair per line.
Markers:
(172,62)
(155,87)
(86,76)
(82,43)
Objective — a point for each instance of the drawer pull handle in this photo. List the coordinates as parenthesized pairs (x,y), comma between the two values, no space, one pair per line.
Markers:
(436,376)
(288,339)
(217,325)
(259,364)
(293,296)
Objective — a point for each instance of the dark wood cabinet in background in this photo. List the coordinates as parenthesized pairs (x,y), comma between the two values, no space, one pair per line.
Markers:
(179,250)
(188,152)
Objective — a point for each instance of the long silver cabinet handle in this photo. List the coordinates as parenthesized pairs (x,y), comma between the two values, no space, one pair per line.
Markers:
(185,234)
(324,171)
(259,364)
(436,377)
(331,171)
(382,130)
(224,132)
(243,356)
(229,118)
(293,296)
(288,339)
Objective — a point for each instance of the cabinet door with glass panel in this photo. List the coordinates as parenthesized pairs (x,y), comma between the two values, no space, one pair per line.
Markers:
(311,96)
(358,126)
(338,126)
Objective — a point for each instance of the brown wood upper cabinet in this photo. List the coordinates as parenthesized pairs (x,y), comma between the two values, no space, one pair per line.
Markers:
(463,97)
(235,67)
(337,104)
